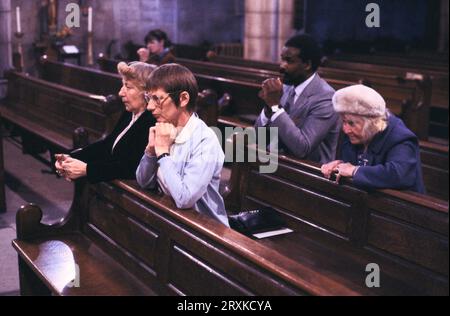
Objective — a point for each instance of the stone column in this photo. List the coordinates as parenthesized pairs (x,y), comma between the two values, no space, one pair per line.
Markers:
(5,42)
(268,24)
(443,34)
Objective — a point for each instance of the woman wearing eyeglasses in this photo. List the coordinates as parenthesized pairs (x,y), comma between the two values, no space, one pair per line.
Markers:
(183,156)
(118,155)
(378,150)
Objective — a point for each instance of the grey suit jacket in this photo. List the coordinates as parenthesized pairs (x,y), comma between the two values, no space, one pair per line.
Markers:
(311,128)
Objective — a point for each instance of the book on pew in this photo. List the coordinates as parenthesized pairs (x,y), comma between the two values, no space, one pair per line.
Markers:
(260,223)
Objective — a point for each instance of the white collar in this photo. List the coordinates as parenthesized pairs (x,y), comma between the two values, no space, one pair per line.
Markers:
(134,117)
(188,129)
(301,87)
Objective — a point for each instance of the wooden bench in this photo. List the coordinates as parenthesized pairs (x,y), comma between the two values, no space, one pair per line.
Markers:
(158,249)
(338,230)
(439,80)
(243,106)
(46,115)
(80,78)
(399,60)
(101,82)
(408,98)
(371,74)
(435,163)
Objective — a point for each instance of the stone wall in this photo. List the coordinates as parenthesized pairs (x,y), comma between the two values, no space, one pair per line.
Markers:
(5,42)
(185,21)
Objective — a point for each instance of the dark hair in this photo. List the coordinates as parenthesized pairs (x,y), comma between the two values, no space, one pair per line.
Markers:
(309,49)
(174,79)
(158,35)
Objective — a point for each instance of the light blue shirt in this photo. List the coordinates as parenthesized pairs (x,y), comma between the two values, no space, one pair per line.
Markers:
(191,174)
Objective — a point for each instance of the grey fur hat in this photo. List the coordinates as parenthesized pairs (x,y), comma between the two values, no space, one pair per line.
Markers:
(359,100)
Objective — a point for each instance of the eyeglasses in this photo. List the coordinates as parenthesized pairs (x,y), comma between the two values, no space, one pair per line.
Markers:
(155,99)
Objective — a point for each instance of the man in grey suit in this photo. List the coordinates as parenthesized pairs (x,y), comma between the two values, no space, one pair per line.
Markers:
(299,104)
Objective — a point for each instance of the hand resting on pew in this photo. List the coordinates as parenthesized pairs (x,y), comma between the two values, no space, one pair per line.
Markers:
(339,169)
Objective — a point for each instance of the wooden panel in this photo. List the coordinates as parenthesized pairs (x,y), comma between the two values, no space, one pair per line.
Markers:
(191,275)
(408,211)
(301,202)
(140,240)
(409,242)
(171,232)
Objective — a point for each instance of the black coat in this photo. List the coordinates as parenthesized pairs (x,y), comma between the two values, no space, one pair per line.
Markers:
(103,164)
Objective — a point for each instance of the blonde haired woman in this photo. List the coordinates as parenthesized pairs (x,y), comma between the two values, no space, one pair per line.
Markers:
(378,151)
(118,155)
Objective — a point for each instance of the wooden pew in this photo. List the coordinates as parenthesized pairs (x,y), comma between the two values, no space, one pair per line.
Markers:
(409,99)
(382,78)
(403,60)
(106,83)
(244,105)
(405,233)
(46,114)
(80,78)
(435,163)
(439,80)
(338,230)
(151,252)
(349,291)
(107,64)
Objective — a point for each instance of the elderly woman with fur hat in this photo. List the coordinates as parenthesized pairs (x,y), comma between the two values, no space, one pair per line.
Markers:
(378,151)
(116,156)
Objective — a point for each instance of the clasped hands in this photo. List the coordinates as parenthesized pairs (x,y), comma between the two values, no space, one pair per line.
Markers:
(271,92)
(70,168)
(143,54)
(160,139)
(339,168)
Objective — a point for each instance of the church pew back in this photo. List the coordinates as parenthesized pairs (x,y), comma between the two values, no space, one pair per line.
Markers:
(409,99)
(390,228)
(245,105)
(156,243)
(338,231)
(53,111)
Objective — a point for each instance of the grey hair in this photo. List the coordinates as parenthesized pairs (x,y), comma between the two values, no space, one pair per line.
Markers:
(138,72)
(373,126)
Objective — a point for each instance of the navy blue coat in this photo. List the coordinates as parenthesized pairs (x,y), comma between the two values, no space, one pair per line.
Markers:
(392,160)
